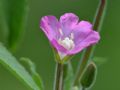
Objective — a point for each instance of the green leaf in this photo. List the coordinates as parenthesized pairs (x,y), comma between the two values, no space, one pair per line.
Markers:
(16,68)
(68,76)
(3,25)
(33,71)
(15,12)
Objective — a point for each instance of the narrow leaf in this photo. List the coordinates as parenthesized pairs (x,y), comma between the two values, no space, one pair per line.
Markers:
(16,68)
(16,15)
(33,72)
(3,25)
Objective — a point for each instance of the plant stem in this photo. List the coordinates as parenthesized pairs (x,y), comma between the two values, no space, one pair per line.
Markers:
(99,15)
(88,53)
(83,64)
(58,84)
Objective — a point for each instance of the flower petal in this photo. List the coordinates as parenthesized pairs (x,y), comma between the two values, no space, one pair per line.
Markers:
(57,46)
(50,26)
(85,25)
(92,38)
(68,21)
(81,31)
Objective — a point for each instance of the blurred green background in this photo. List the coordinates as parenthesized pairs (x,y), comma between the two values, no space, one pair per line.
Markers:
(35,45)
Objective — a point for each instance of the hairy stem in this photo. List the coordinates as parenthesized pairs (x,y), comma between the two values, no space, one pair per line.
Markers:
(58,84)
(88,53)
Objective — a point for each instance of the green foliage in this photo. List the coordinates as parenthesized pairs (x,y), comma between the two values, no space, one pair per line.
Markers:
(16,68)
(100,60)
(68,76)
(15,12)
(75,88)
(3,25)
(33,72)
(17,21)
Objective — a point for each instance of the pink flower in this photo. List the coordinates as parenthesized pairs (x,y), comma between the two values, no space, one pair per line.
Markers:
(68,36)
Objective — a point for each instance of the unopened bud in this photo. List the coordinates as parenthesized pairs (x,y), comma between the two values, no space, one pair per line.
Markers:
(89,75)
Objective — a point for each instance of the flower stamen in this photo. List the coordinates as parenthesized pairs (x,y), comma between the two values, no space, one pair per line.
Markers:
(67,43)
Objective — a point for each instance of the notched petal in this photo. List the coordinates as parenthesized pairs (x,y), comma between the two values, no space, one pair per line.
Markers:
(50,26)
(92,38)
(68,21)
(85,25)
(69,18)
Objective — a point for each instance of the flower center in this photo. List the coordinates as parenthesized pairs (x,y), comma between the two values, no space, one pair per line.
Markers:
(67,43)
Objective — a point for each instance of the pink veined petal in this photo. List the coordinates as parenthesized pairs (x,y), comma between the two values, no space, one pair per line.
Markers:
(50,26)
(92,38)
(81,31)
(85,25)
(68,22)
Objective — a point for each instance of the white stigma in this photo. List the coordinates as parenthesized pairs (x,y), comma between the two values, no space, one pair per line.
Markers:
(67,43)
(60,31)
(72,36)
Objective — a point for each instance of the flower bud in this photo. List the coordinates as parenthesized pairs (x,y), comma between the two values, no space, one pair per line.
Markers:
(89,75)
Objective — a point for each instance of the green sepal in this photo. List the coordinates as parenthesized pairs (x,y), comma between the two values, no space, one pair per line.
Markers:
(58,59)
